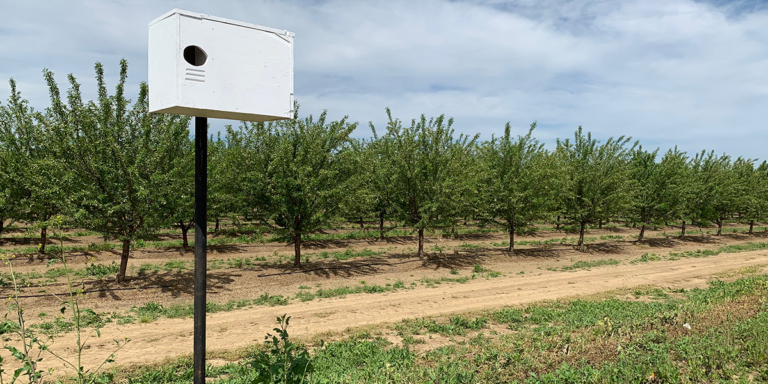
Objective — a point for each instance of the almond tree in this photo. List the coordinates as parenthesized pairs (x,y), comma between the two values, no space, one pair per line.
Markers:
(519,182)
(9,166)
(717,194)
(595,183)
(38,181)
(428,171)
(754,203)
(295,172)
(178,201)
(120,158)
(751,188)
(361,198)
(655,187)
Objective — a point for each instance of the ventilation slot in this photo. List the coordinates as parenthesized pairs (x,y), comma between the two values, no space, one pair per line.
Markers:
(194,74)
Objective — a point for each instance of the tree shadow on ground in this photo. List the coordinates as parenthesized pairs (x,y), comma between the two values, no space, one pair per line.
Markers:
(539,253)
(615,229)
(699,239)
(37,257)
(609,248)
(175,284)
(16,241)
(464,259)
(476,236)
(332,268)
(659,242)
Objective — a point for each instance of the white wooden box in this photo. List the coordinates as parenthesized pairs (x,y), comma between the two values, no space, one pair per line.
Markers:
(201,65)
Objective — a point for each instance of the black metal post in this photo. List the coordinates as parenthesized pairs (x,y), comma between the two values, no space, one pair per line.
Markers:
(201,227)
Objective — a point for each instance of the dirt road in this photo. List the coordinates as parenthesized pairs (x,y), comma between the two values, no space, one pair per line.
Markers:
(164,338)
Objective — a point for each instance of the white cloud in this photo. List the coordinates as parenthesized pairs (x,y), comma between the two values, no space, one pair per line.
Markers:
(665,72)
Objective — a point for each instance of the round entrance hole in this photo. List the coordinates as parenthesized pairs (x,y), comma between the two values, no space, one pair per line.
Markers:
(195,55)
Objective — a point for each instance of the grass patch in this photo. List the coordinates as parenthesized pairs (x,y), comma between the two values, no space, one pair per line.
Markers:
(589,264)
(579,341)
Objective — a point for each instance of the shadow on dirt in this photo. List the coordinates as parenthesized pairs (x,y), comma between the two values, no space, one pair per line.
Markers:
(35,241)
(609,248)
(659,242)
(173,284)
(698,239)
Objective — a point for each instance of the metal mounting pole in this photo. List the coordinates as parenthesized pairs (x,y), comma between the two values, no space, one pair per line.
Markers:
(201,227)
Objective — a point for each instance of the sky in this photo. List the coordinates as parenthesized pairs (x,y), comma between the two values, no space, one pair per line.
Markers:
(692,74)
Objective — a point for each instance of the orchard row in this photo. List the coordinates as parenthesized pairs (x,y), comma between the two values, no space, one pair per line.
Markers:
(110,166)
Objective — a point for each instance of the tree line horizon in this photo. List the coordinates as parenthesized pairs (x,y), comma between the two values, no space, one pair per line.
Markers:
(114,168)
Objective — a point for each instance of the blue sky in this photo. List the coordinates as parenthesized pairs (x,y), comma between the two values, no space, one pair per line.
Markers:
(671,72)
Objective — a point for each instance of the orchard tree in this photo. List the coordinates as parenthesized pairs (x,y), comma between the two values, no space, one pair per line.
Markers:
(297,172)
(361,198)
(595,183)
(225,194)
(121,158)
(178,201)
(753,191)
(428,171)
(519,182)
(717,194)
(10,161)
(655,187)
(38,180)
(379,177)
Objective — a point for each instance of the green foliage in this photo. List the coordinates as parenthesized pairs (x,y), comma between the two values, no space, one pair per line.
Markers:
(296,172)
(656,187)
(428,170)
(717,191)
(120,159)
(590,264)
(33,181)
(519,182)
(284,362)
(596,183)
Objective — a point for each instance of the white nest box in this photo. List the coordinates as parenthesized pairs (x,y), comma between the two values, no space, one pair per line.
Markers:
(206,66)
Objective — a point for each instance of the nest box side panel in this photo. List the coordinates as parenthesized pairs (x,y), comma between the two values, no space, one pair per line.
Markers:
(163,64)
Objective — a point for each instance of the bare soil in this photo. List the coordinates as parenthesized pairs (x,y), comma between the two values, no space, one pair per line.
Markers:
(524,278)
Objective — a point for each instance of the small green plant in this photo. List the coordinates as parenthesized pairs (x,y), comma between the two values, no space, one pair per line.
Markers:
(284,362)
(82,318)
(32,347)
(100,271)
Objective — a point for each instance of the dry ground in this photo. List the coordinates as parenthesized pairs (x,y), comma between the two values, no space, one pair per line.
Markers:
(525,277)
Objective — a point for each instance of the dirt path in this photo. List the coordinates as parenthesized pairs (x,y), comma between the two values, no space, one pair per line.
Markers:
(165,338)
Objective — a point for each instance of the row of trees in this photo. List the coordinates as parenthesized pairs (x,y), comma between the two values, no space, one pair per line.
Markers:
(112,167)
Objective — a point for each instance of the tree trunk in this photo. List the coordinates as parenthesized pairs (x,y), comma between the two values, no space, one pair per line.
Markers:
(184,230)
(558,223)
(43,239)
(2,224)
(421,242)
(381,225)
(634,225)
(682,233)
(581,235)
(600,224)
(362,226)
(217,225)
(719,226)
(751,225)
(642,233)
(124,260)
(511,238)
(297,250)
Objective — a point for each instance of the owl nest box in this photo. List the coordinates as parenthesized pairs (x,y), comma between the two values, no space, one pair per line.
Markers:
(206,66)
